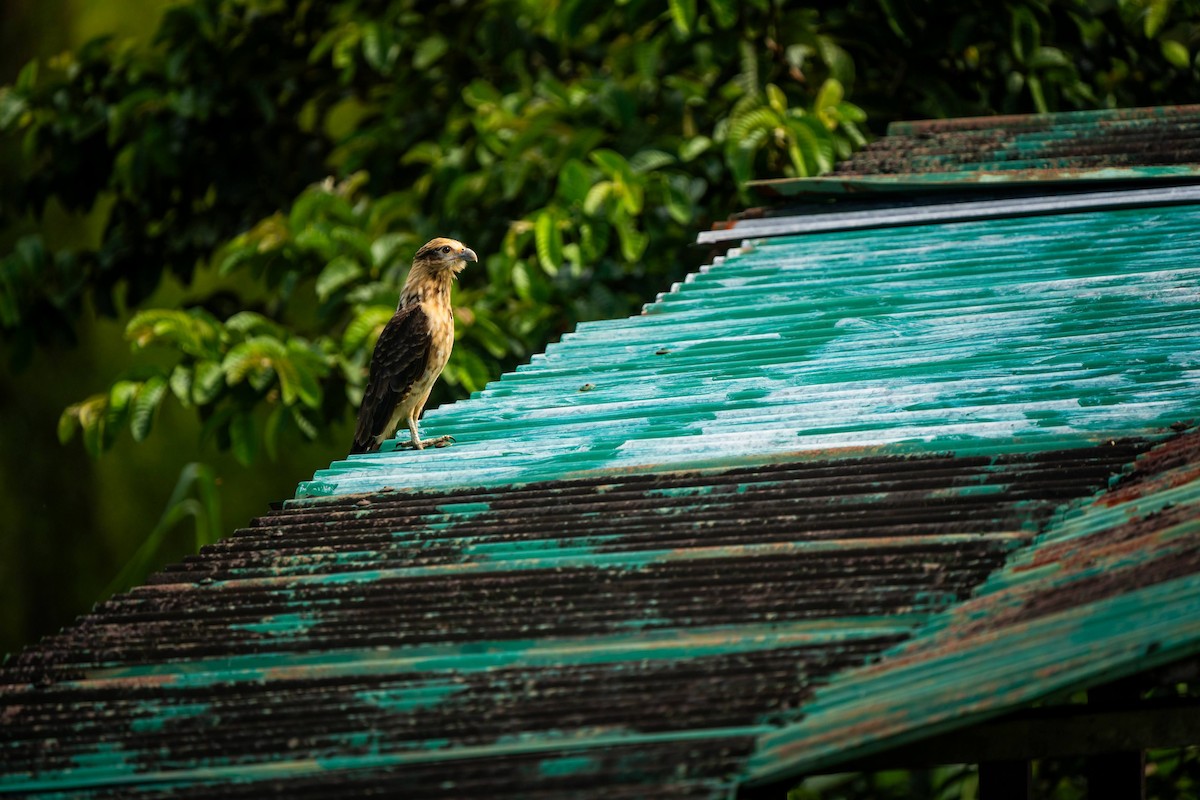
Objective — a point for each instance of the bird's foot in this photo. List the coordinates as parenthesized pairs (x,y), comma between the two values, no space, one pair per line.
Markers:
(441,441)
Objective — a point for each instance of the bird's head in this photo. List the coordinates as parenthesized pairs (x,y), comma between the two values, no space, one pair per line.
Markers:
(444,255)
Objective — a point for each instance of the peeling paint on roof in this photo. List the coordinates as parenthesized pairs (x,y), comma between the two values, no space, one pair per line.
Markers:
(1019,333)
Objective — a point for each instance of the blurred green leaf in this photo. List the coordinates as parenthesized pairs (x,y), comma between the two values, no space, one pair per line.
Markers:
(1026,33)
(146,403)
(12,106)
(204,509)
(207,380)
(181,384)
(1156,14)
(678,203)
(243,439)
(337,274)
(724,12)
(694,147)
(645,161)
(365,328)
(574,182)
(194,331)
(117,410)
(68,423)
(248,323)
(549,242)
(1048,58)
(429,51)
(1176,53)
(683,14)
(777,100)
(633,241)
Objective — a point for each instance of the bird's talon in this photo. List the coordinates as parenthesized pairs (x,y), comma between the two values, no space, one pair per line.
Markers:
(441,441)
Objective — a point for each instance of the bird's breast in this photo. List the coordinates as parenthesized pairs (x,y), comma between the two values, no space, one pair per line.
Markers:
(441,333)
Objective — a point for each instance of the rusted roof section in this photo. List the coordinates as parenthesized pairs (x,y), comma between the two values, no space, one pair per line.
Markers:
(1109,590)
(630,637)
(1140,144)
(1021,334)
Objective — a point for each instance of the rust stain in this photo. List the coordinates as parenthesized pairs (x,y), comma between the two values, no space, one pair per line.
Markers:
(1172,464)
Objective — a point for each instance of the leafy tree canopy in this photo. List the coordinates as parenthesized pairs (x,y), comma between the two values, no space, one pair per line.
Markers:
(301,151)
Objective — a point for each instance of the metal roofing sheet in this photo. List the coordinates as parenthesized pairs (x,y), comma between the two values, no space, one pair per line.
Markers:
(939,210)
(1110,590)
(652,549)
(1014,334)
(630,637)
(1105,145)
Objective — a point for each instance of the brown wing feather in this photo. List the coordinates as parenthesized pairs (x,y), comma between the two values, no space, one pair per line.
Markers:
(400,357)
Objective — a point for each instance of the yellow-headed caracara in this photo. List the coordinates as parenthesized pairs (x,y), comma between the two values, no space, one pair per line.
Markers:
(412,348)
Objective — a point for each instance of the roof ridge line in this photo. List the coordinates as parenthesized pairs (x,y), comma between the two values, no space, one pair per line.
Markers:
(962,211)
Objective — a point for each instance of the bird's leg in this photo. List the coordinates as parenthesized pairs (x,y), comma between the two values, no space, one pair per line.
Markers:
(416,442)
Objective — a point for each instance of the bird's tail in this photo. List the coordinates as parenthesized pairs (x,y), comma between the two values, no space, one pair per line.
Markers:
(363,447)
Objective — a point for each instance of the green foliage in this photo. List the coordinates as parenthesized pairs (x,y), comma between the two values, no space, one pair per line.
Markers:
(941,783)
(238,374)
(1034,55)
(577,146)
(578,172)
(195,496)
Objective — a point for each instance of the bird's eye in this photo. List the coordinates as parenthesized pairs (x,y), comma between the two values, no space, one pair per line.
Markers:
(446,249)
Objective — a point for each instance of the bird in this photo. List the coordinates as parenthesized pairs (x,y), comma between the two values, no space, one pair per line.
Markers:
(412,349)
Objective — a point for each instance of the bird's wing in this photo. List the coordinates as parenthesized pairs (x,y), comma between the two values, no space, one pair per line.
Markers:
(400,356)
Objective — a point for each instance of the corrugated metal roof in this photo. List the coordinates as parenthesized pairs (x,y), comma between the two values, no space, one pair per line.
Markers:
(660,555)
(1161,143)
(579,639)
(1006,335)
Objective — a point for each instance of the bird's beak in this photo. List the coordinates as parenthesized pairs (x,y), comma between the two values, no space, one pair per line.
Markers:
(468,255)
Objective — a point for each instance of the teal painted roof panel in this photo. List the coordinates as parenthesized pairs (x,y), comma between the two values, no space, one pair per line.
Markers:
(1011,334)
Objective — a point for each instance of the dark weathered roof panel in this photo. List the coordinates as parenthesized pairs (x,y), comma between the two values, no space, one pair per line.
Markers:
(1111,589)
(541,629)
(1061,149)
